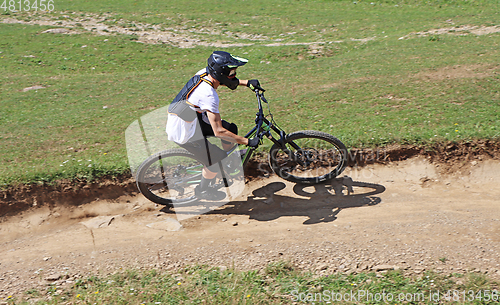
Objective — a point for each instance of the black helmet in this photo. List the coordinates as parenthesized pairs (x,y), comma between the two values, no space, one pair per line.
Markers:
(220,63)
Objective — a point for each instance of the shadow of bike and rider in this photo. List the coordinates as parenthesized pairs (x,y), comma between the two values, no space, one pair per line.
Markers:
(320,202)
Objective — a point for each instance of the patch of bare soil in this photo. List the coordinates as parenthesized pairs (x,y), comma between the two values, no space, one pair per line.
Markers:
(457,30)
(409,215)
(459,71)
(105,24)
(444,73)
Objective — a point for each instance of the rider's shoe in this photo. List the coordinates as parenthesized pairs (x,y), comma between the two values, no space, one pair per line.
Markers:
(209,194)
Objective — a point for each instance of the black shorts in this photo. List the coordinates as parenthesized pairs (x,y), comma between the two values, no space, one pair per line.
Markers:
(208,153)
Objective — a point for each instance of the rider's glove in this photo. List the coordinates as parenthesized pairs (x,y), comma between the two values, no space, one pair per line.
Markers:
(253,142)
(254,84)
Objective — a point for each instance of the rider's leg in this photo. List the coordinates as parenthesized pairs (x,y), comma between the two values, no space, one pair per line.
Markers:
(203,191)
(232,128)
(207,178)
(210,155)
(208,131)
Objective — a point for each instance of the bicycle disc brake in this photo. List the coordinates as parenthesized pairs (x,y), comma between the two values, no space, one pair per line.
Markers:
(304,157)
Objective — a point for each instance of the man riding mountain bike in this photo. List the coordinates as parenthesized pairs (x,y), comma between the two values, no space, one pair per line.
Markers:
(194,115)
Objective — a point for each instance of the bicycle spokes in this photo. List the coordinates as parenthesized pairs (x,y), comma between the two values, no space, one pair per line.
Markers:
(305,159)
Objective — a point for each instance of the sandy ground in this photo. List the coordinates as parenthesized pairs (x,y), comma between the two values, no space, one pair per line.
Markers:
(403,215)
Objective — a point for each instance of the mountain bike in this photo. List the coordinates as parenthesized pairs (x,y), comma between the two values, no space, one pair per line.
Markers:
(307,157)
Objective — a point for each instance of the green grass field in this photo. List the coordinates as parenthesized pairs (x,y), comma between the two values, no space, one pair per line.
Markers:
(367,80)
(278,283)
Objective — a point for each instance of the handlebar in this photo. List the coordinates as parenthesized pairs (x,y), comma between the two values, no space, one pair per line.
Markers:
(259,92)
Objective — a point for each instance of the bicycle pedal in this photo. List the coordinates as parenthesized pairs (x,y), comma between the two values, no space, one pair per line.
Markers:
(210,194)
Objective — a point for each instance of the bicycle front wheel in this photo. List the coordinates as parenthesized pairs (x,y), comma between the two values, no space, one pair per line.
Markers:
(308,157)
(169,177)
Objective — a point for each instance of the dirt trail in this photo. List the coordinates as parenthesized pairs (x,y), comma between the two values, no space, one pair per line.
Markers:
(404,215)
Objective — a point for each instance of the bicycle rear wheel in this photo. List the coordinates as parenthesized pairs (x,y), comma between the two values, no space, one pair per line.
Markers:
(308,157)
(169,177)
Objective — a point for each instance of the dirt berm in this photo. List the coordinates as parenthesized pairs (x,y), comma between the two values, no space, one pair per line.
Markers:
(409,209)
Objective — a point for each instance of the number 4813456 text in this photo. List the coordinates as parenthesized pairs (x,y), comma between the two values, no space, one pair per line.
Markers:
(27,5)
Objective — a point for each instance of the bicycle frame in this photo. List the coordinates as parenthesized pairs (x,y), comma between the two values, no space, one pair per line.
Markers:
(181,176)
(262,128)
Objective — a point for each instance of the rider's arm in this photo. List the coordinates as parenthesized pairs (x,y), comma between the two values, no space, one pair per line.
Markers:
(221,132)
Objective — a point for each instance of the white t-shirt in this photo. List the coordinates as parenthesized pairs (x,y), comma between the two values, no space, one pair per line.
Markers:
(205,97)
